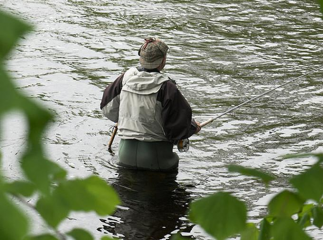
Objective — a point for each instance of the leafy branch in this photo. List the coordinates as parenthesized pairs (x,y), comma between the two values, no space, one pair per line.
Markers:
(290,212)
(56,195)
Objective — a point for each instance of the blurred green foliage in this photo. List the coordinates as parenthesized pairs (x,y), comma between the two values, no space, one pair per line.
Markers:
(321,5)
(221,215)
(56,196)
(290,212)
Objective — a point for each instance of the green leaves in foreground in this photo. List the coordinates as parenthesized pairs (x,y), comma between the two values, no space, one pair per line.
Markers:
(42,237)
(13,224)
(310,183)
(317,213)
(22,188)
(221,215)
(54,203)
(80,234)
(91,194)
(266,178)
(286,228)
(321,5)
(285,204)
(11,30)
(250,233)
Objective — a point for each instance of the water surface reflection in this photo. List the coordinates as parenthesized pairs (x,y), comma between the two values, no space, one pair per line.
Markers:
(222,53)
(153,206)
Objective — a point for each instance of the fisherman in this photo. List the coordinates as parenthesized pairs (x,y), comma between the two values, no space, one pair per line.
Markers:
(151,112)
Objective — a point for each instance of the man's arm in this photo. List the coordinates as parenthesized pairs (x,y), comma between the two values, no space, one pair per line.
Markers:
(176,113)
(111,100)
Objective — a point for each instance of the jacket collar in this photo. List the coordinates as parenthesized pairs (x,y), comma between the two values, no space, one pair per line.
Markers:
(141,69)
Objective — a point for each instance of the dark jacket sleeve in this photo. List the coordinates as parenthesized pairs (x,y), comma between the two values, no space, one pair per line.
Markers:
(111,91)
(176,113)
(111,100)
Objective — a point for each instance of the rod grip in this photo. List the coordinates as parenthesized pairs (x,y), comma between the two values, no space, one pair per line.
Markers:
(206,122)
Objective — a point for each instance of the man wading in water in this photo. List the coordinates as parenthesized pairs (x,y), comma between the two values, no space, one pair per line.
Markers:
(151,113)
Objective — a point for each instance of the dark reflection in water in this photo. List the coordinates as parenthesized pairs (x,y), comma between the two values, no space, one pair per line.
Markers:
(153,206)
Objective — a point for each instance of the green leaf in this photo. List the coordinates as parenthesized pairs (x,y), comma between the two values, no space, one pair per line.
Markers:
(265,230)
(317,216)
(89,194)
(8,92)
(305,220)
(310,183)
(179,237)
(304,217)
(40,170)
(285,204)
(106,238)
(221,215)
(80,234)
(42,237)
(307,208)
(20,188)
(52,209)
(11,30)
(321,5)
(266,178)
(286,229)
(37,168)
(319,156)
(250,233)
(38,119)
(10,218)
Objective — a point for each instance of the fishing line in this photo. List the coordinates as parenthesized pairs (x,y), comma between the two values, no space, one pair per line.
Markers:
(254,98)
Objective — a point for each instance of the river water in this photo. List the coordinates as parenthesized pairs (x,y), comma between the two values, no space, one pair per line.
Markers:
(222,53)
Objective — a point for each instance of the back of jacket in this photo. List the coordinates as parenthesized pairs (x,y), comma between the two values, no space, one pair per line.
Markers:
(139,111)
(148,106)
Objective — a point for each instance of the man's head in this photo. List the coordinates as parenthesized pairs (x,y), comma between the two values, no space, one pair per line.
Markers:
(152,53)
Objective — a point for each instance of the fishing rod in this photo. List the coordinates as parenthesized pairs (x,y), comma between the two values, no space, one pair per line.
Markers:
(183,145)
(253,99)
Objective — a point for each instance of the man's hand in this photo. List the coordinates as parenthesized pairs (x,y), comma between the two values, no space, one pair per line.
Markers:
(198,127)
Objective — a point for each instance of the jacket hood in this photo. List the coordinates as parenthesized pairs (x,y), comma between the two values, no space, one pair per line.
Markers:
(141,82)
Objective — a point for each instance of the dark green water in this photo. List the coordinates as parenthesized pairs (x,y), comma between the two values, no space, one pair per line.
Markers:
(221,54)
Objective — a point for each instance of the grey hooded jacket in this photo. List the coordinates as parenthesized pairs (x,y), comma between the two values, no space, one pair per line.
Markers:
(148,107)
